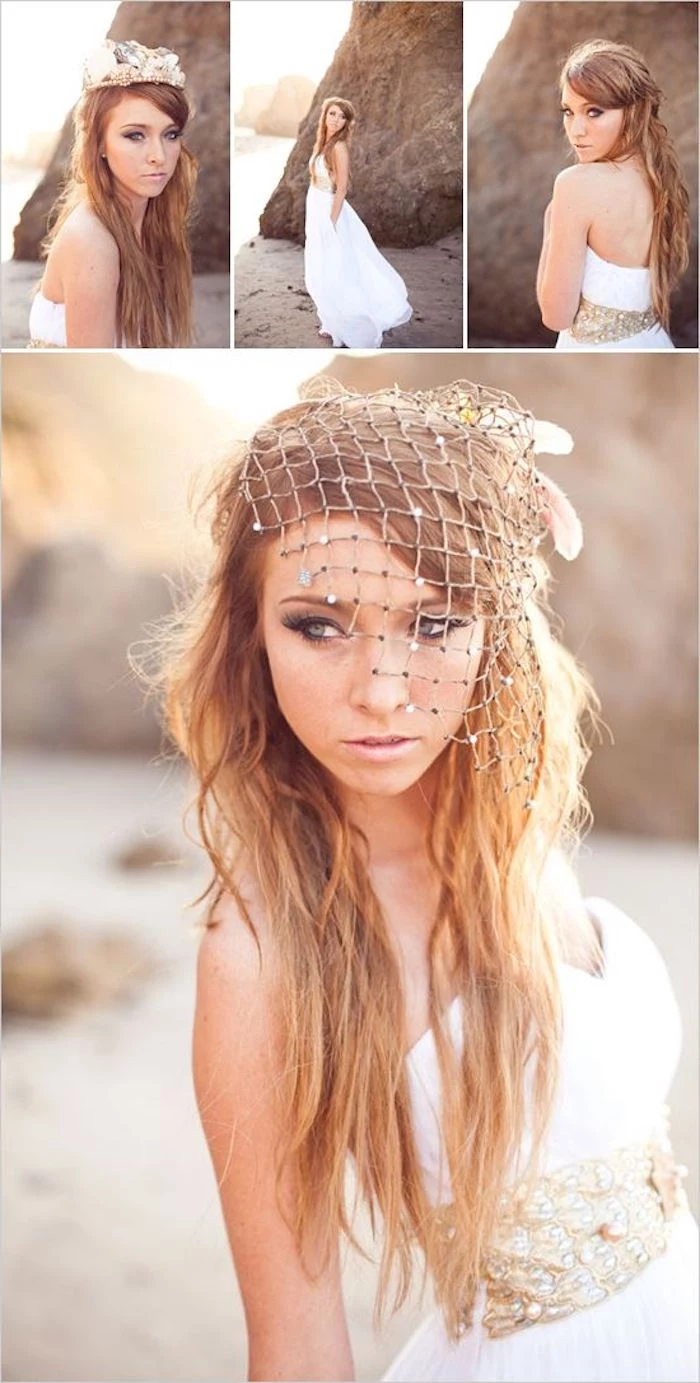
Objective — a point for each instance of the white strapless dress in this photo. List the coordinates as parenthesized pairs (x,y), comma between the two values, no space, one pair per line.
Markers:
(357,293)
(618,289)
(47,324)
(621,1043)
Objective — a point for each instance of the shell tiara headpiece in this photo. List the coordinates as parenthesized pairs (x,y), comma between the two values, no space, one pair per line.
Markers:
(126,62)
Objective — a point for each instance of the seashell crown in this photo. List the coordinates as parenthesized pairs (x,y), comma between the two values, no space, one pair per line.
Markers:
(125,62)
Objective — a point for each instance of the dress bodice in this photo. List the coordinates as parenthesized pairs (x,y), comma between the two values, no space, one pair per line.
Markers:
(612,285)
(615,1067)
(321,175)
(47,323)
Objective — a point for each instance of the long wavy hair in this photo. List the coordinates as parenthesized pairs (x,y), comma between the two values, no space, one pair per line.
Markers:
(616,77)
(323,144)
(154,298)
(265,805)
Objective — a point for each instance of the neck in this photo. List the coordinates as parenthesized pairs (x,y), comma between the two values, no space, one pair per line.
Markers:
(397,827)
(136,207)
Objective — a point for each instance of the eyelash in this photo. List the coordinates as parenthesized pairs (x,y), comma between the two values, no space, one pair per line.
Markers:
(303,624)
(595,111)
(134,136)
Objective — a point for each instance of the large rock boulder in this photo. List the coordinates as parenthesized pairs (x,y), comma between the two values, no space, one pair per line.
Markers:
(71,615)
(255,101)
(200,35)
(516,148)
(629,602)
(401,66)
(289,103)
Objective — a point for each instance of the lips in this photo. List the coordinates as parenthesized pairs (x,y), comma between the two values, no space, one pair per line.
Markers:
(380,748)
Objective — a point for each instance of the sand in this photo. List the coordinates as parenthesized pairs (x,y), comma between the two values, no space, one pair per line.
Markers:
(116,1264)
(211,293)
(273,308)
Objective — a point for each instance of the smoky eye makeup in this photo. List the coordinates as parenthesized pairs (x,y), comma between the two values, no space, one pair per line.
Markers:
(319,629)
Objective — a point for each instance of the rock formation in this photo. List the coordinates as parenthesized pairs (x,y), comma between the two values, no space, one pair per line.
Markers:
(284,112)
(199,33)
(255,101)
(516,147)
(401,66)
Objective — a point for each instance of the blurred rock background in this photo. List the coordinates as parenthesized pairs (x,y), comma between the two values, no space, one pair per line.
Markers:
(199,34)
(116,1261)
(516,147)
(400,64)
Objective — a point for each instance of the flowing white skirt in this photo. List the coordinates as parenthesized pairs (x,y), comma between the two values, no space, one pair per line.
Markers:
(357,294)
(646,1333)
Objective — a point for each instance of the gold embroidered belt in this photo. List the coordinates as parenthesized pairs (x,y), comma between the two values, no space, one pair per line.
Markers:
(595,325)
(576,1237)
(37,345)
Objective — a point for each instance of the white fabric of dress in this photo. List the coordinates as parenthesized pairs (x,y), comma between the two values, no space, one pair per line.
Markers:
(47,322)
(620,1047)
(357,293)
(612,285)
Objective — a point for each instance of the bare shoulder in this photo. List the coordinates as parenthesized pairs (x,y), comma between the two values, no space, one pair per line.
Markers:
(583,181)
(238,938)
(83,236)
(340,155)
(237,982)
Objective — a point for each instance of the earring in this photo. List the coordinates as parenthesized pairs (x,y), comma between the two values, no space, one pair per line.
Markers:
(104,157)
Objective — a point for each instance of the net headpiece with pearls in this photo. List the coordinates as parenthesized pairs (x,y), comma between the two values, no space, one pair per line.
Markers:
(443,483)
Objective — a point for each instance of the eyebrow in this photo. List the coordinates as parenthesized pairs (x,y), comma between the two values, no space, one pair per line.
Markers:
(320,602)
(133,125)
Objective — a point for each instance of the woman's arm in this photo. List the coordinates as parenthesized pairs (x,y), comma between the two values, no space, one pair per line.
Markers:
(341,170)
(545,248)
(296,1326)
(89,267)
(566,224)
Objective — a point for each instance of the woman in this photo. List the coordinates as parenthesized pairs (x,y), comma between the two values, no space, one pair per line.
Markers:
(399,965)
(616,231)
(119,269)
(357,294)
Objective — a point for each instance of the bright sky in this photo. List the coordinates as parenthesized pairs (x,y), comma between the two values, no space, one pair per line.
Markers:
(250,385)
(273,38)
(41,65)
(485,24)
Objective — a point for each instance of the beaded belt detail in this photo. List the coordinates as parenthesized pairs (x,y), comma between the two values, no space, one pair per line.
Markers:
(37,345)
(577,1237)
(595,325)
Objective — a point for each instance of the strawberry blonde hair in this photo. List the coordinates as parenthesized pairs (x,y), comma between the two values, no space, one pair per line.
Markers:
(616,77)
(154,298)
(266,805)
(323,144)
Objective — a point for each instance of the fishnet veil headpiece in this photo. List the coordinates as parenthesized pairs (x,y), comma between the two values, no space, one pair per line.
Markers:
(445,481)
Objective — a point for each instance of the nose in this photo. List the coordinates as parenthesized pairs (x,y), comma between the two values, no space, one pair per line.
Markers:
(379,678)
(578,126)
(156,155)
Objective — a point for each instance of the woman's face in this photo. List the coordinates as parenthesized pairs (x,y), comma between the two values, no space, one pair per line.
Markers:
(334,120)
(344,672)
(591,131)
(142,147)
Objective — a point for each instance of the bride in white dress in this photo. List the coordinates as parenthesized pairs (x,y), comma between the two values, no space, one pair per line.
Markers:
(399,966)
(616,231)
(357,293)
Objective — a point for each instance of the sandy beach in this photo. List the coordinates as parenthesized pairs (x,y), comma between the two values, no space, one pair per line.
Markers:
(116,1264)
(211,294)
(274,309)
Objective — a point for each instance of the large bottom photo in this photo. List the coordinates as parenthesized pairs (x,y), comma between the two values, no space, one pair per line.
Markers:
(349,876)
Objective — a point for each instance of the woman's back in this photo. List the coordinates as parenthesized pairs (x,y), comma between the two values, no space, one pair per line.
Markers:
(622,213)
